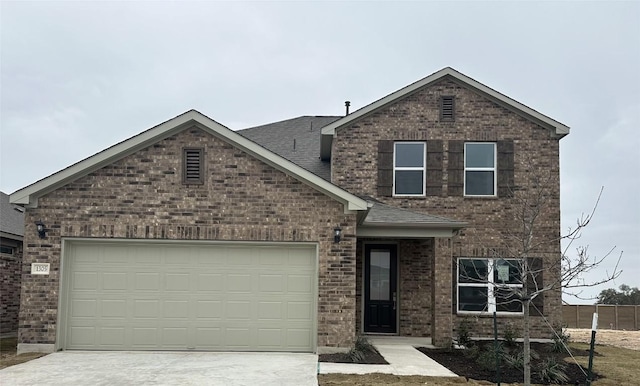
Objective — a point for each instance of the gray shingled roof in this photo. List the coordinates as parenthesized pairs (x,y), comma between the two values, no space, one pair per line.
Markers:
(11,219)
(303,132)
(384,215)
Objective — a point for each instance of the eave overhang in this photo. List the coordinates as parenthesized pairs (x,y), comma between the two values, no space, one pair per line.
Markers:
(29,195)
(558,130)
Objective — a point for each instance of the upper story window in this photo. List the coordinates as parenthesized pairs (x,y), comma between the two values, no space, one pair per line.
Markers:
(409,168)
(447,108)
(488,285)
(193,166)
(479,169)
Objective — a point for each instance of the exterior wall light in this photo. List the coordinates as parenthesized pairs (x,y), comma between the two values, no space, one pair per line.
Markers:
(337,234)
(41,229)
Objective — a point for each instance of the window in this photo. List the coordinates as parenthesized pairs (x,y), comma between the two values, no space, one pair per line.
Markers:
(488,285)
(7,250)
(447,108)
(192,166)
(409,160)
(479,169)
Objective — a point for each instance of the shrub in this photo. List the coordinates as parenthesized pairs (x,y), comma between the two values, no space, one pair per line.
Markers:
(516,359)
(487,357)
(359,350)
(551,371)
(464,332)
(510,334)
(561,339)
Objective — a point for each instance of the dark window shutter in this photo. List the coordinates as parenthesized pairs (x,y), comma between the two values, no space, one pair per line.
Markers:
(434,168)
(447,108)
(454,289)
(385,168)
(505,168)
(536,268)
(193,166)
(456,168)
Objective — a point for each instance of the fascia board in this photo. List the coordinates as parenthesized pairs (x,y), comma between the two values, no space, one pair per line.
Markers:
(447,225)
(352,202)
(560,129)
(29,195)
(400,232)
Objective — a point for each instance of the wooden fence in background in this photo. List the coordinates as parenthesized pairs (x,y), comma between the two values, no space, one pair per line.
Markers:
(611,317)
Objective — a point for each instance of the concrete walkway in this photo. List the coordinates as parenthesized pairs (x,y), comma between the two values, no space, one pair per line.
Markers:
(402,356)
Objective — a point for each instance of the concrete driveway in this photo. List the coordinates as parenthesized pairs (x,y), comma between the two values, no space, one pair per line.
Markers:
(164,368)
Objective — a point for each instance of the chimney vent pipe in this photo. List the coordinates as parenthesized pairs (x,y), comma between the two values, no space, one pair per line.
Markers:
(347,104)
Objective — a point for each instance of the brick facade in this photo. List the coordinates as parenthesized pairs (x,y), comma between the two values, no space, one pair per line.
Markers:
(10,280)
(142,197)
(416,118)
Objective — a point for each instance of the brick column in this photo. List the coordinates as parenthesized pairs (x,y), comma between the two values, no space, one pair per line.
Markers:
(441,330)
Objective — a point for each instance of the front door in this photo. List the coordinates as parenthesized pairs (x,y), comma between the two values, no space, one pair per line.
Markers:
(380,288)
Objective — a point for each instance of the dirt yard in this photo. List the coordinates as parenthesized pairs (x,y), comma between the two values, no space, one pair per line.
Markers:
(618,338)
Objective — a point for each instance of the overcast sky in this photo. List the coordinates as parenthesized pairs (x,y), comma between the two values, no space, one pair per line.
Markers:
(79,77)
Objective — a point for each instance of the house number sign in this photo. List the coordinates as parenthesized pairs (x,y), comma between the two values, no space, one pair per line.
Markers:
(39,268)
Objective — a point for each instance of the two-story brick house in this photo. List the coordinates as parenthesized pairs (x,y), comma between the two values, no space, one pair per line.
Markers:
(293,236)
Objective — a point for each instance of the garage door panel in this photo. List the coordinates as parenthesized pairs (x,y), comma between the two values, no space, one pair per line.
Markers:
(116,308)
(85,281)
(221,297)
(147,281)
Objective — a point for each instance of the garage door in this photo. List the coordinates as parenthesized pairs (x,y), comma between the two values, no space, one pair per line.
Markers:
(137,296)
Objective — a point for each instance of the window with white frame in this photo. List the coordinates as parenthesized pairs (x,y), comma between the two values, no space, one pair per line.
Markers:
(409,168)
(479,169)
(488,285)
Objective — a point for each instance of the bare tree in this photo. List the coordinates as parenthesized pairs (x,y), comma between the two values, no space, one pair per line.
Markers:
(531,248)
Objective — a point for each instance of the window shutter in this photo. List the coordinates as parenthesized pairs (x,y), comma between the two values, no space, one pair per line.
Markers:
(192,166)
(505,168)
(535,267)
(456,168)
(434,168)
(447,108)
(385,168)
(454,284)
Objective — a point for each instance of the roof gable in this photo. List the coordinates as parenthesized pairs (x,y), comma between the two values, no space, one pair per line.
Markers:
(29,195)
(558,129)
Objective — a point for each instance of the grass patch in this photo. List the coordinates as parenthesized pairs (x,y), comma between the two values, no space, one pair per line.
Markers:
(616,366)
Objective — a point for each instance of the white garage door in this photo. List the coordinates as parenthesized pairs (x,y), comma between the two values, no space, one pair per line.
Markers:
(136,296)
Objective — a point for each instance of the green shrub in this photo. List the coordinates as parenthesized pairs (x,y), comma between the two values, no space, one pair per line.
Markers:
(561,339)
(487,357)
(551,371)
(359,350)
(511,333)
(464,332)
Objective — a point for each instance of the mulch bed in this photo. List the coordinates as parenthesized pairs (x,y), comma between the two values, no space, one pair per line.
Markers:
(461,364)
(371,357)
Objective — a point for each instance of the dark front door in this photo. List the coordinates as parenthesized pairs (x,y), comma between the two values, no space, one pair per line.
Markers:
(380,289)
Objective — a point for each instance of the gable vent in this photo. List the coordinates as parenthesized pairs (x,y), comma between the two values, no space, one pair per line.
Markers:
(192,166)
(447,108)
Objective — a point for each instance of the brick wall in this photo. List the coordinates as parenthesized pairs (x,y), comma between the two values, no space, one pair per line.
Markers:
(10,278)
(491,220)
(142,197)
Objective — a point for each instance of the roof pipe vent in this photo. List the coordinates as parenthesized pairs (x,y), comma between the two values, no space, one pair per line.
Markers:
(347,104)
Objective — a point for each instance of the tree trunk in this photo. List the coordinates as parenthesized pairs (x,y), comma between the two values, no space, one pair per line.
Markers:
(525,344)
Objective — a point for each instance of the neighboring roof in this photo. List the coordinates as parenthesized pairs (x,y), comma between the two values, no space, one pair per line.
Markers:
(296,139)
(382,220)
(11,218)
(559,129)
(30,194)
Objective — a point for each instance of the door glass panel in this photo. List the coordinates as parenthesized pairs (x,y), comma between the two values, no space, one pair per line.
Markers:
(380,275)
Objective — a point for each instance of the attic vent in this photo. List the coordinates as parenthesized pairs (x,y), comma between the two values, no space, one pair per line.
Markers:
(447,108)
(192,166)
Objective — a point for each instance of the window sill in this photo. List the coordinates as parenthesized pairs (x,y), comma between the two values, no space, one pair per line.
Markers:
(490,314)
